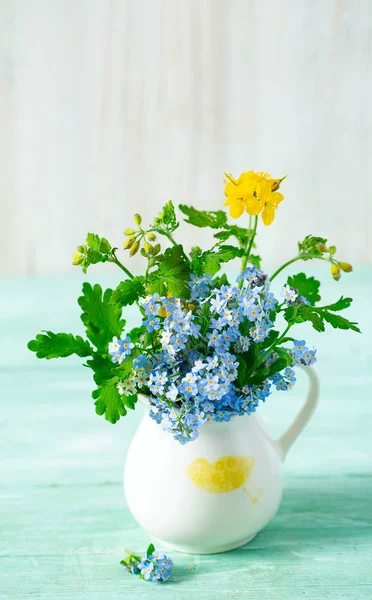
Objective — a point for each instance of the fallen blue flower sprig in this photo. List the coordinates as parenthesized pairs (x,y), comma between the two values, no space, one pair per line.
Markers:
(152,565)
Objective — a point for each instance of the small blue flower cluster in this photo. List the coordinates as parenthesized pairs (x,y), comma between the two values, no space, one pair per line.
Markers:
(301,354)
(291,296)
(191,370)
(153,567)
(119,349)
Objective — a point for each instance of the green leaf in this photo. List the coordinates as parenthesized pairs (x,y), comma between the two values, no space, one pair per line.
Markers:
(242,371)
(102,320)
(150,550)
(278,365)
(108,402)
(240,233)
(259,376)
(306,286)
(273,335)
(130,401)
(137,333)
(204,218)
(255,260)
(218,282)
(94,242)
(320,314)
(339,322)
(103,368)
(340,304)
(284,355)
(59,345)
(128,291)
(172,275)
(209,262)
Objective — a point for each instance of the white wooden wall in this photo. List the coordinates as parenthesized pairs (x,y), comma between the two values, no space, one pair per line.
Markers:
(108,107)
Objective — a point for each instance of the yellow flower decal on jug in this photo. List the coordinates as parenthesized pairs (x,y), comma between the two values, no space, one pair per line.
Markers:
(226,474)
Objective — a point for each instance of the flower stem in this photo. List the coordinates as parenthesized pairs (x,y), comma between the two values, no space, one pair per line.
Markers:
(298,257)
(169,236)
(286,264)
(117,262)
(248,247)
(266,354)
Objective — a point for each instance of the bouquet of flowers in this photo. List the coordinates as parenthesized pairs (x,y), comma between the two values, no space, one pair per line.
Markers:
(208,348)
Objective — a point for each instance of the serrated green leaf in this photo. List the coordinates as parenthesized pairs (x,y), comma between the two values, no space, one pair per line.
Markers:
(59,345)
(317,316)
(306,286)
(255,260)
(338,322)
(130,401)
(209,262)
(108,402)
(240,233)
(339,305)
(136,333)
(103,368)
(102,320)
(218,282)
(204,218)
(93,241)
(128,291)
(172,275)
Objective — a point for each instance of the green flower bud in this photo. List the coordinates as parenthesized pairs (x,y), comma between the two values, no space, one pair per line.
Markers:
(332,249)
(336,274)
(77,258)
(137,219)
(323,248)
(347,267)
(148,247)
(143,252)
(134,248)
(151,236)
(156,250)
(129,243)
(82,249)
(129,231)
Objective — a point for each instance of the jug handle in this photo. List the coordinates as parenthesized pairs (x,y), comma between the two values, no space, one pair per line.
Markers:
(288,438)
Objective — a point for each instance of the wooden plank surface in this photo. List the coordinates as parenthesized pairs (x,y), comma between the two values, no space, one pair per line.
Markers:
(64,523)
(111,106)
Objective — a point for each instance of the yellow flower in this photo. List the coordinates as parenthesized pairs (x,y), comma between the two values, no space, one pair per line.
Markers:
(254,192)
(265,202)
(238,191)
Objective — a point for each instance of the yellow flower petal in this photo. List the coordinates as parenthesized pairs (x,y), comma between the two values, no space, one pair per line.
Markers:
(263,189)
(276,198)
(268,215)
(253,205)
(236,207)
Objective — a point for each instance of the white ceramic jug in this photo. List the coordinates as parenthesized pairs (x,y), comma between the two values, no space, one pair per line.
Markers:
(215,493)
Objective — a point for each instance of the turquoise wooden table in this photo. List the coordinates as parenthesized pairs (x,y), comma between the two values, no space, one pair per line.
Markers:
(64,522)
